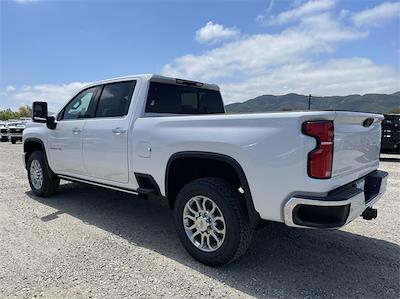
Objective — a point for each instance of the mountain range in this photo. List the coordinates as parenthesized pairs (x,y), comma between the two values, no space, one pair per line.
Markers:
(377,103)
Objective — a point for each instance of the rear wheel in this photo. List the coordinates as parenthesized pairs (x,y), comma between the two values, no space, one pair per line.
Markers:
(210,221)
(42,181)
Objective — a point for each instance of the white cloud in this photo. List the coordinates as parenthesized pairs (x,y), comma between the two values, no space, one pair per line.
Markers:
(334,77)
(344,13)
(378,14)
(255,53)
(261,18)
(309,8)
(10,88)
(55,95)
(212,33)
(296,59)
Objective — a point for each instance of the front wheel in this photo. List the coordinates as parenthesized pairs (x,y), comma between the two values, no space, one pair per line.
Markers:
(42,181)
(13,141)
(211,222)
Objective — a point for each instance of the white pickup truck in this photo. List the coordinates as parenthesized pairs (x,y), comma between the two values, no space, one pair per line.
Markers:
(15,131)
(221,174)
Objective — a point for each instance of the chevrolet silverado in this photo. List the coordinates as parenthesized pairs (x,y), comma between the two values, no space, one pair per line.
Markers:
(221,174)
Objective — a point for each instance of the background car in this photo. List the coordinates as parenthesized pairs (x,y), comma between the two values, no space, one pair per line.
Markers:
(390,142)
(15,130)
(3,132)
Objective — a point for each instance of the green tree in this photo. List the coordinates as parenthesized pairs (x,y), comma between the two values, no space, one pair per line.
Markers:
(23,111)
(6,114)
(395,111)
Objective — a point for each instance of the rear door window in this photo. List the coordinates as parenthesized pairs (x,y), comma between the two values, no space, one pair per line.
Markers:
(115,99)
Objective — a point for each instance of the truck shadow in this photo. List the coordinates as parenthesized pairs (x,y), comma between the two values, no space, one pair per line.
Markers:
(281,262)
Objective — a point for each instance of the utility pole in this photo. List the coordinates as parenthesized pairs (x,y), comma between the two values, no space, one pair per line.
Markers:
(309,102)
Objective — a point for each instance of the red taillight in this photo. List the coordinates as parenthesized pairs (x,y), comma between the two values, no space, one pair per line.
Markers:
(320,159)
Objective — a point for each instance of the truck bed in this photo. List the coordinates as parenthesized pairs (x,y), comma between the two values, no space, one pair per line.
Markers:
(270,147)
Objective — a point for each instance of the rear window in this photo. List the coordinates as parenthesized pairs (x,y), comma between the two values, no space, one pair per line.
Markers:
(178,99)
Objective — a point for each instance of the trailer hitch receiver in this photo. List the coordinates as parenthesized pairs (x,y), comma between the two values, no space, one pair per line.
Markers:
(369,213)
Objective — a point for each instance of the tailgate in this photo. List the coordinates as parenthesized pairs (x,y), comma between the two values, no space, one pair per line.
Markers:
(356,143)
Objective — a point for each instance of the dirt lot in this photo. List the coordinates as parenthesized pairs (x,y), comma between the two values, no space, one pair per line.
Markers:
(90,242)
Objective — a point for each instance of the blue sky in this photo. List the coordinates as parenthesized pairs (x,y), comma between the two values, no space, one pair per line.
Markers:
(50,49)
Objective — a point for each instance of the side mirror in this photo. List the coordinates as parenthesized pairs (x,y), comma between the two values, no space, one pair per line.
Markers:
(39,112)
(39,115)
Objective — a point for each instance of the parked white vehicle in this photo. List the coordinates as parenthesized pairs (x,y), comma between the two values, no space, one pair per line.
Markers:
(3,132)
(222,174)
(15,130)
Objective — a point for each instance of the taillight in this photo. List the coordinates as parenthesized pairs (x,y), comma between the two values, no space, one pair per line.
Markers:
(320,159)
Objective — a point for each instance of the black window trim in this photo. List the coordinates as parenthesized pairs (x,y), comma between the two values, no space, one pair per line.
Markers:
(98,92)
(133,87)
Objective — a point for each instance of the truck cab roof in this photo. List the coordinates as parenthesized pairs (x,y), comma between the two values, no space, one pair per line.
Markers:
(157,78)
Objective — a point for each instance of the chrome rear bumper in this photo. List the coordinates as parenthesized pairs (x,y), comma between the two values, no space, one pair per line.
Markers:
(339,207)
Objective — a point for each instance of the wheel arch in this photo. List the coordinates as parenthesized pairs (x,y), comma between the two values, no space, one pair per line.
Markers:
(231,168)
(31,145)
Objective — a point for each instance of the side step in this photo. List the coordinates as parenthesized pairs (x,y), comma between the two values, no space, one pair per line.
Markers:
(145,193)
(147,186)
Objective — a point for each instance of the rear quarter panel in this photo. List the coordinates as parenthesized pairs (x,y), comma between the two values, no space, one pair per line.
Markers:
(269,147)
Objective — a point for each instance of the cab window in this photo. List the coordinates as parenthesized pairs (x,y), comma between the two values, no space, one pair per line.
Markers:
(115,99)
(179,99)
(81,105)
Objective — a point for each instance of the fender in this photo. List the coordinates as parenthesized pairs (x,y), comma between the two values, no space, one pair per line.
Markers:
(37,140)
(253,214)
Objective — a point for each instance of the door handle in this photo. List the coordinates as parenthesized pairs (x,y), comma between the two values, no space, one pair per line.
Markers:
(76,130)
(118,131)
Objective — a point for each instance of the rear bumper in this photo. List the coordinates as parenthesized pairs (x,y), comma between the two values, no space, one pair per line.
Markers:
(339,207)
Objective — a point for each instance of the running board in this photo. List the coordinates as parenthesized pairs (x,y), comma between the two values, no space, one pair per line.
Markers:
(73,179)
(146,191)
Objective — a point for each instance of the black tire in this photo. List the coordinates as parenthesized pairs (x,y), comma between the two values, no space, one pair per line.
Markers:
(50,182)
(228,199)
(13,141)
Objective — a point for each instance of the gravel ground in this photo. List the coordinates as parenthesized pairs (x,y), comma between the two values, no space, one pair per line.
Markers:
(91,242)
